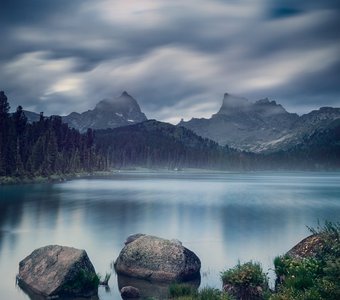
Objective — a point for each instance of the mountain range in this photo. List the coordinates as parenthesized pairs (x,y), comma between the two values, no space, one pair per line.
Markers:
(108,113)
(263,126)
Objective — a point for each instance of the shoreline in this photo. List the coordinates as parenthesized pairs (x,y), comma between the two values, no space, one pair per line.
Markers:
(5,180)
(55,178)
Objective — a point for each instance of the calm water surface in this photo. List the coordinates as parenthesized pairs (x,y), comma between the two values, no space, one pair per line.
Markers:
(222,217)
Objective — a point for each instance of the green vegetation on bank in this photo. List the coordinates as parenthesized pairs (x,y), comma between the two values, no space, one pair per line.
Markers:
(311,275)
(246,281)
(315,275)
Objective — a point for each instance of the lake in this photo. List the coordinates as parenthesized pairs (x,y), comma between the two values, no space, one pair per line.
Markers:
(222,217)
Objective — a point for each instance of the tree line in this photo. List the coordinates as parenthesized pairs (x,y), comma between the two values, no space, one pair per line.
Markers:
(42,148)
(153,144)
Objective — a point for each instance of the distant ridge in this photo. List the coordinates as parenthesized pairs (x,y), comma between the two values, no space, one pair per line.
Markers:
(261,126)
(108,113)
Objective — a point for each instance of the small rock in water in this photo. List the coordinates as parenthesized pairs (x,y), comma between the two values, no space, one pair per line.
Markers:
(129,292)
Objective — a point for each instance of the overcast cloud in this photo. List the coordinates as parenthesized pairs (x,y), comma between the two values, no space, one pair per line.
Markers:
(177,58)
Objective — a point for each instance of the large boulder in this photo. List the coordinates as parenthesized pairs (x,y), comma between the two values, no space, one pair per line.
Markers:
(58,271)
(154,258)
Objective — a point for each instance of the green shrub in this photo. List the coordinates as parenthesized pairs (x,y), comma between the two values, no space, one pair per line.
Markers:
(298,274)
(180,289)
(212,294)
(85,281)
(293,294)
(330,235)
(245,281)
(280,265)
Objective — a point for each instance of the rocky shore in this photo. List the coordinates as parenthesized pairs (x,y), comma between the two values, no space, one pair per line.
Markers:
(150,267)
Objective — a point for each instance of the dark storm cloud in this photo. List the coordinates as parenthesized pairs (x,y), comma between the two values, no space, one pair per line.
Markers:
(14,12)
(282,12)
(311,90)
(177,58)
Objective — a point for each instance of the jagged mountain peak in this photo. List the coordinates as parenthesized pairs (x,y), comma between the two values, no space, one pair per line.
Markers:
(261,126)
(244,124)
(266,101)
(268,107)
(108,113)
(232,103)
(122,103)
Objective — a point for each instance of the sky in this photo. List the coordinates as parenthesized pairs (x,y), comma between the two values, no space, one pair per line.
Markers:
(177,58)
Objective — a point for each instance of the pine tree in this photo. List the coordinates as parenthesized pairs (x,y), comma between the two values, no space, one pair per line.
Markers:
(4,128)
(52,150)
(20,122)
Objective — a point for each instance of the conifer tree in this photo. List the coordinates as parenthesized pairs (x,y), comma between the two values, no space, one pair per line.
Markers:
(20,122)
(4,128)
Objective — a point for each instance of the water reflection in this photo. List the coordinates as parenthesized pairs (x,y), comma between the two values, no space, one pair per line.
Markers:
(150,289)
(33,296)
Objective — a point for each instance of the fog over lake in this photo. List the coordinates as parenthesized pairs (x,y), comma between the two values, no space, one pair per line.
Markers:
(222,217)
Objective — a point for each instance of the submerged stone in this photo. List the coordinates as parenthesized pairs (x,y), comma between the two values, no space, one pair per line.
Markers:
(130,292)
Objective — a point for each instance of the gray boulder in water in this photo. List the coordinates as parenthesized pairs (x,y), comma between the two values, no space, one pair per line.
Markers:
(58,271)
(154,258)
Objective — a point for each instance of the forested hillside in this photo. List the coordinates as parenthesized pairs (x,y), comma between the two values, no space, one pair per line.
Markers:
(319,150)
(156,144)
(42,148)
